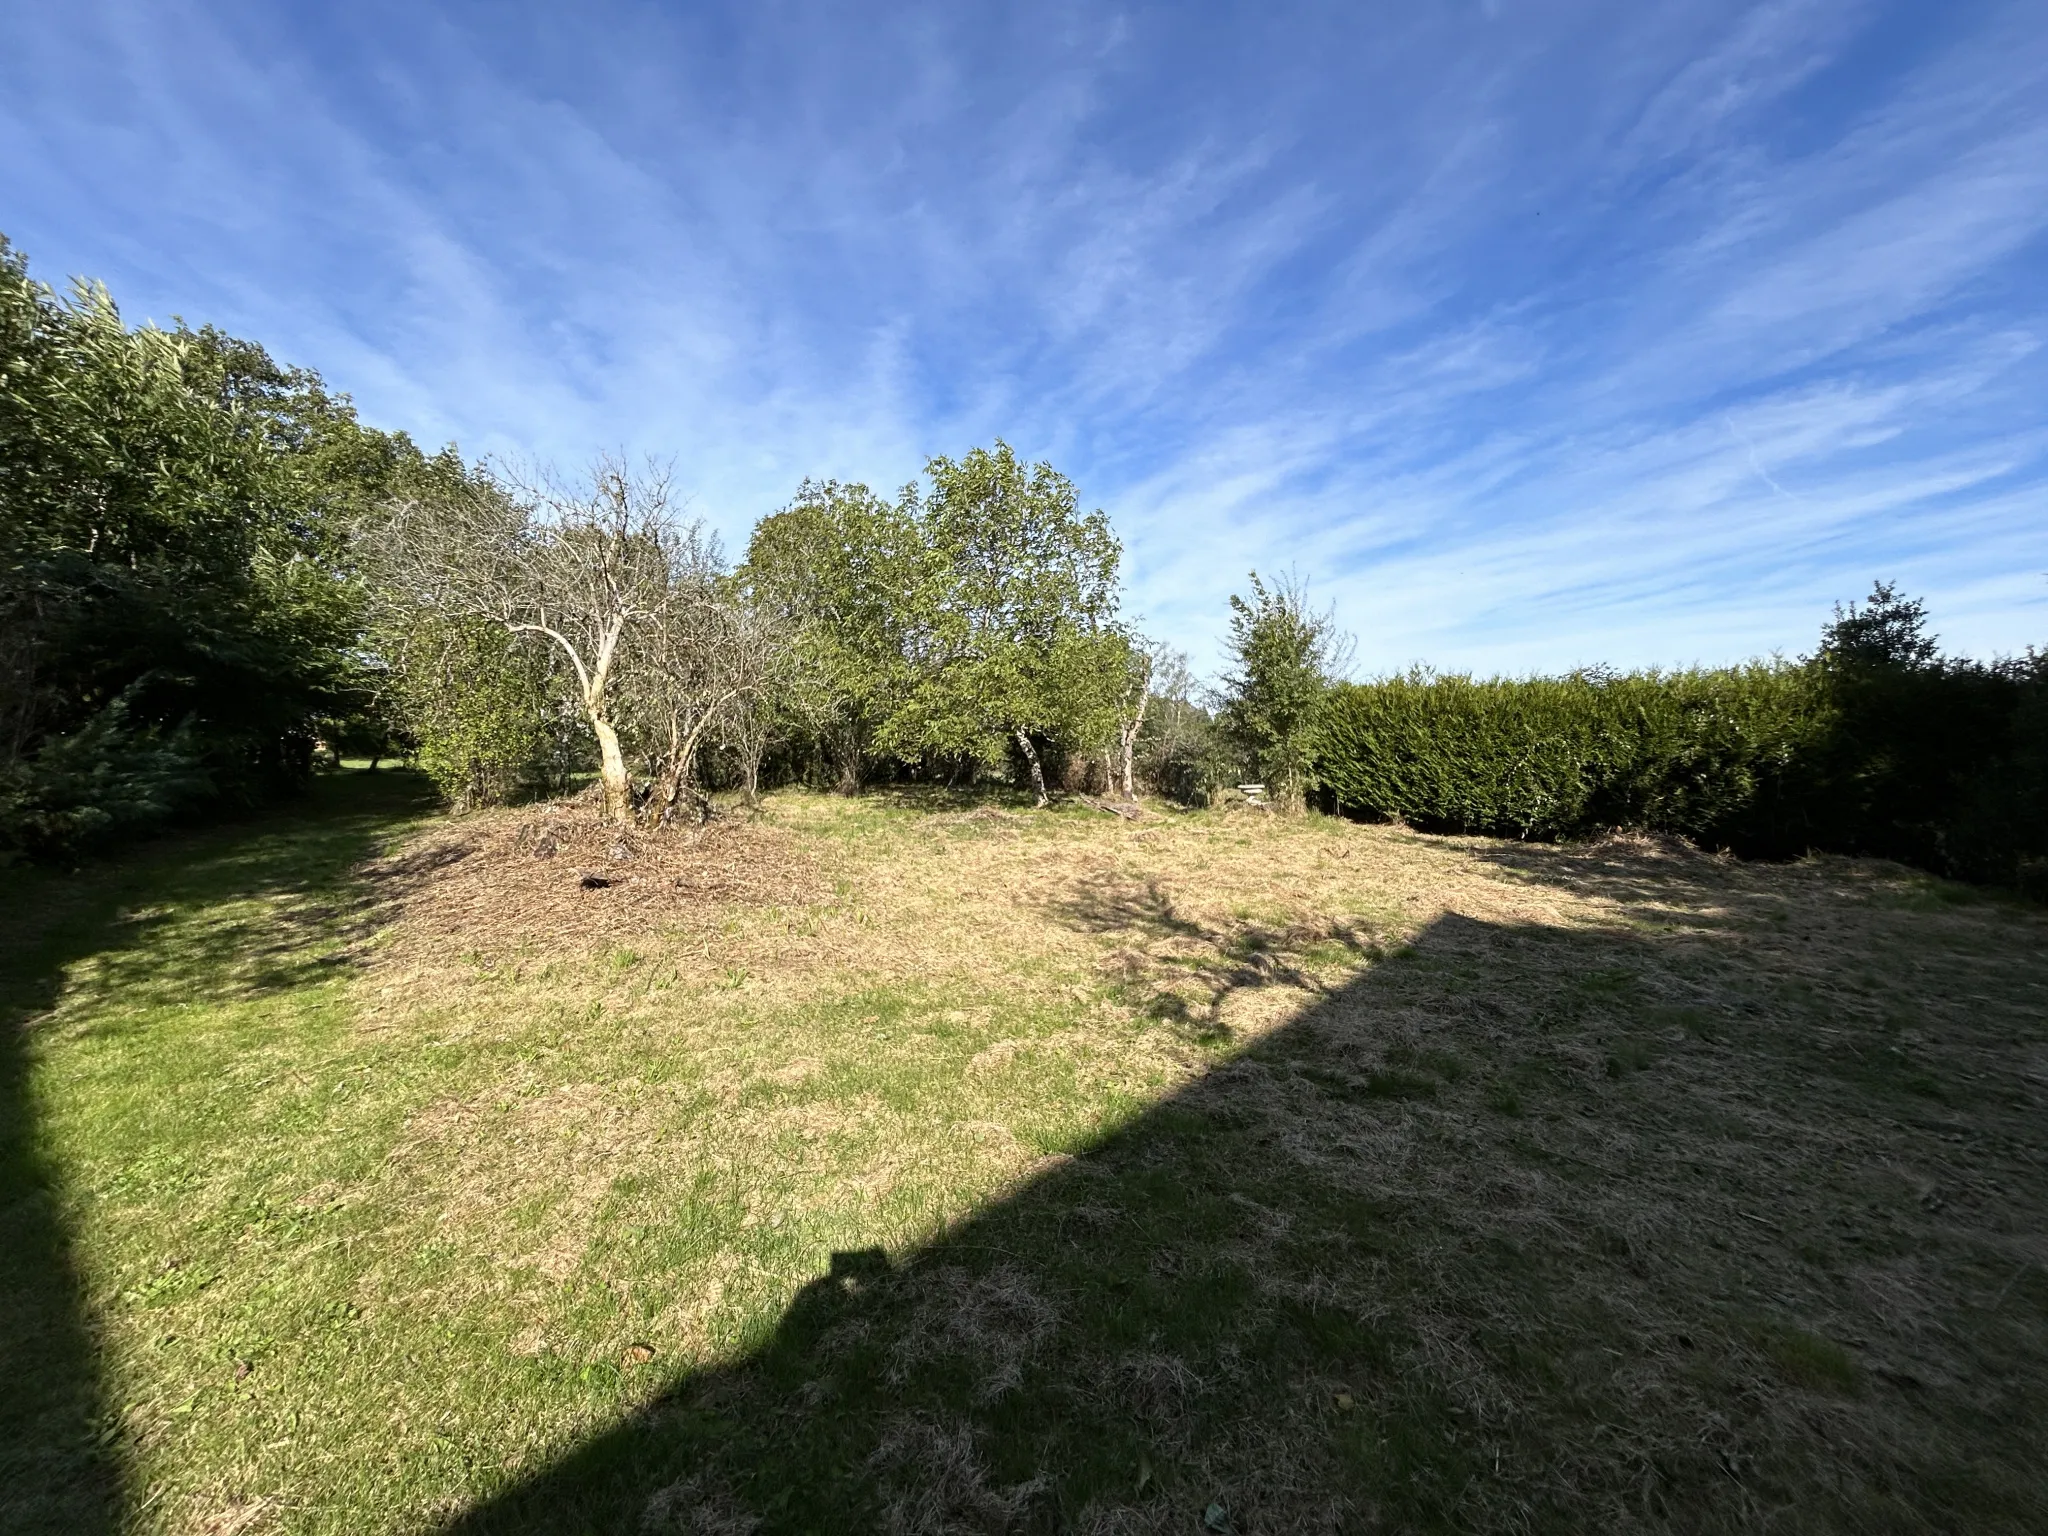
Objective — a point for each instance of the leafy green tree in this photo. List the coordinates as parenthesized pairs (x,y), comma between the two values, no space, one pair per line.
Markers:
(483,710)
(851,579)
(1888,630)
(1027,618)
(1909,730)
(173,568)
(1282,656)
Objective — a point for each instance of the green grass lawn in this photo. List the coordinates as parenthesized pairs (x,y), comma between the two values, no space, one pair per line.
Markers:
(919,1165)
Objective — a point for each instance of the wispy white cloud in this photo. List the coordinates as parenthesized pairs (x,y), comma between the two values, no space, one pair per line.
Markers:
(1608,332)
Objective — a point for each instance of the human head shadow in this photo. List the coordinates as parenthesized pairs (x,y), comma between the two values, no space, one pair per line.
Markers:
(81,932)
(1434,1255)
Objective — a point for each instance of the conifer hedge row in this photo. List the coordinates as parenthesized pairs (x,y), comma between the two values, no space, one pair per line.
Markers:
(1944,765)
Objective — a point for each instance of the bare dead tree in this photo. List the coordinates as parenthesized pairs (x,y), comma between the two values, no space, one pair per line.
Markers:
(682,679)
(1137,694)
(580,566)
(763,657)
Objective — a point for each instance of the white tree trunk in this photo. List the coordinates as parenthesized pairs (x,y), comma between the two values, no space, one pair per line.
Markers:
(1131,731)
(618,789)
(1037,771)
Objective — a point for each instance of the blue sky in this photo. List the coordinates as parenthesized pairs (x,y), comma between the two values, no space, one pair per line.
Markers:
(1532,334)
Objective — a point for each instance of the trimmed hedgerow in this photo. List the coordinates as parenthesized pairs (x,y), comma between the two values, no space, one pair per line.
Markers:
(1716,756)
(1939,764)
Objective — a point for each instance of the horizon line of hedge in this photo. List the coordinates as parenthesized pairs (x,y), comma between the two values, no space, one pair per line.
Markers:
(1941,763)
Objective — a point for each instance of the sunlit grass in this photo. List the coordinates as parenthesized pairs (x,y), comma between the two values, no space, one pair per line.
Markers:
(1168,1135)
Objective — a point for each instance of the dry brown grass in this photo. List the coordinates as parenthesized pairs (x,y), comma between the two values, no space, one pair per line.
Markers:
(556,878)
(1424,986)
(1335,1176)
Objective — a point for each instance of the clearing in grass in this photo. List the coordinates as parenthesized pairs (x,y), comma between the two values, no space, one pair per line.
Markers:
(914,1164)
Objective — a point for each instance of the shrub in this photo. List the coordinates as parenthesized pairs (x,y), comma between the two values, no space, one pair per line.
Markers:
(1940,763)
(1710,755)
(488,725)
(107,779)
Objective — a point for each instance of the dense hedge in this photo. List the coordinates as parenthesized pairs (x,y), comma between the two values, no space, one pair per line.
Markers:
(1941,764)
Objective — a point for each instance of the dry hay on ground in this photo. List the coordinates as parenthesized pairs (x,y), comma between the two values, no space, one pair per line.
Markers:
(557,876)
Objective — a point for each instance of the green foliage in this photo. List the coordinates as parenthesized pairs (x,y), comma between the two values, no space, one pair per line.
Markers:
(1889,630)
(858,586)
(1876,745)
(1023,630)
(1183,753)
(950,630)
(1998,833)
(1281,655)
(1913,731)
(1708,755)
(483,710)
(174,545)
(105,779)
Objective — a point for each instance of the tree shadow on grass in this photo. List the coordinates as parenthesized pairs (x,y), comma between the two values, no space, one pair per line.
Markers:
(90,931)
(1524,1227)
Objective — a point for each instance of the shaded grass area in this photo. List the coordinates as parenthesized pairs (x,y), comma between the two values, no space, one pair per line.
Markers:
(188,931)
(1027,1173)
(1529,1228)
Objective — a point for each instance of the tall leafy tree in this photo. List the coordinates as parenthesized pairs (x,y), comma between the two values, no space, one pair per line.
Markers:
(1282,656)
(1028,616)
(173,581)
(852,580)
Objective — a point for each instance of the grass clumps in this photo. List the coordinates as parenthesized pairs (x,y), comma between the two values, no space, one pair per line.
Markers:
(1039,1173)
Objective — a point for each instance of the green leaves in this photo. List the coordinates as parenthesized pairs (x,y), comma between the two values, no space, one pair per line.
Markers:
(940,626)
(174,539)
(1282,653)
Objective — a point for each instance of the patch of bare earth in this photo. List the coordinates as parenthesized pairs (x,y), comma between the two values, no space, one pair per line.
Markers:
(556,877)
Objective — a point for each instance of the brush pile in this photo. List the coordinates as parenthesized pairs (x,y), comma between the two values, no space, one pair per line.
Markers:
(558,875)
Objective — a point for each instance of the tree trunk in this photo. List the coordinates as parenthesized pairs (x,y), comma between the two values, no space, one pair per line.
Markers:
(1130,733)
(1037,770)
(682,776)
(846,752)
(618,789)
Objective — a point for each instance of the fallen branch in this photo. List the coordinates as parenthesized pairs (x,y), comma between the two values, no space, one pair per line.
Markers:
(1123,810)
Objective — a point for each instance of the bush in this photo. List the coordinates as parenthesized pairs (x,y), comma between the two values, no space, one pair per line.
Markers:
(1999,833)
(108,779)
(1715,756)
(488,725)
(1943,764)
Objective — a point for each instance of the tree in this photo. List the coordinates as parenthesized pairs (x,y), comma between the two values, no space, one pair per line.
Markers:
(1889,630)
(1283,655)
(1150,667)
(761,662)
(1030,593)
(585,567)
(852,585)
(173,567)
(483,710)
(693,674)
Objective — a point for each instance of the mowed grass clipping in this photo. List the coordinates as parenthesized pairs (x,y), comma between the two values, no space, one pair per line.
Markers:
(925,1165)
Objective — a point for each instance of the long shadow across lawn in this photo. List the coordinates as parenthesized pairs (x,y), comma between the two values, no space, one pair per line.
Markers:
(1528,1227)
(60,1463)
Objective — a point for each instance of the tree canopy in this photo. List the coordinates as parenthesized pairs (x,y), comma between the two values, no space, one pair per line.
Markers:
(177,607)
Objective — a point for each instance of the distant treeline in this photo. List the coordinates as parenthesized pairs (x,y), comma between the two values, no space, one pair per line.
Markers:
(214,578)
(1875,745)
